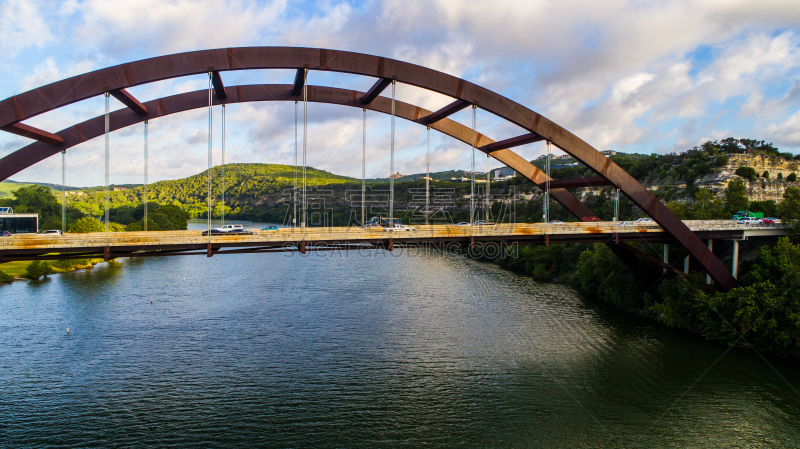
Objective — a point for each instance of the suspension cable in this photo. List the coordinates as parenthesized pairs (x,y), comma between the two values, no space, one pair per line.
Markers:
(364,171)
(428,179)
(391,163)
(472,183)
(145,198)
(108,128)
(294,188)
(210,110)
(63,191)
(488,185)
(546,200)
(223,165)
(305,139)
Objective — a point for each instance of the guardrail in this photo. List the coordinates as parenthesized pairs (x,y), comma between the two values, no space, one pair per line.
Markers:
(311,234)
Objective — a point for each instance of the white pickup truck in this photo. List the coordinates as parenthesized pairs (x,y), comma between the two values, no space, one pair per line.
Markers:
(228,228)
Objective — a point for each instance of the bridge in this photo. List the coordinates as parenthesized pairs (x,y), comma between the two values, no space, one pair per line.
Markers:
(491,238)
(113,81)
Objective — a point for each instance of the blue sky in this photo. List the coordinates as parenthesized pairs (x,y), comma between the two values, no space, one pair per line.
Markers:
(632,76)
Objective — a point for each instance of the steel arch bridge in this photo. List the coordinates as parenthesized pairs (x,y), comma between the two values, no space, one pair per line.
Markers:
(114,80)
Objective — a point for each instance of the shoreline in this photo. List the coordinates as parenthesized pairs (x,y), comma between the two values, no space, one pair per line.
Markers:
(17,269)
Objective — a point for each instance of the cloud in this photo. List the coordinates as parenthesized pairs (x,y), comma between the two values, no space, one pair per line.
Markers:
(23,27)
(633,76)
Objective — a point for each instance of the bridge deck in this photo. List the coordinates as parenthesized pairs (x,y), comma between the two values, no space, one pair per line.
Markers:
(133,244)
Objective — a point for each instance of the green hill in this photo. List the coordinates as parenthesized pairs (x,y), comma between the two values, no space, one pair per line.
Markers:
(7,187)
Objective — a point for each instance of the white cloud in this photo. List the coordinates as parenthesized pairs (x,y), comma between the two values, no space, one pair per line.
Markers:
(22,27)
(645,75)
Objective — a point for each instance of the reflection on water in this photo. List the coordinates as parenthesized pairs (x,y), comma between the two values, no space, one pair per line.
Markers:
(390,350)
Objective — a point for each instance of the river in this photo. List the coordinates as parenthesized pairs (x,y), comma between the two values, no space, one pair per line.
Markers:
(390,350)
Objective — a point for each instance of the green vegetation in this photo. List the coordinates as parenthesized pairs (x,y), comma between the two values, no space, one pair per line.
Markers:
(37,269)
(792,177)
(7,188)
(4,278)
(748,173)
(86,225)
(765,308)
(764,311)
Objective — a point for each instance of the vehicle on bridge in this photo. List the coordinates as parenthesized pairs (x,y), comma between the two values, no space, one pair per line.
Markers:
(380,221)
(484,223)
(772,221)
(400,227)
(5,234)
(234,231)
(747,214)
(750,221)
(52,232)
(270,228)
(228,228)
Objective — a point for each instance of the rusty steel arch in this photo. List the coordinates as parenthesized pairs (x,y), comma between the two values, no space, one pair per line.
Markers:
(115,79)
(95,127)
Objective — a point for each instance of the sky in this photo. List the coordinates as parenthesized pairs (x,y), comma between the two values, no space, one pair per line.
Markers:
(626,75)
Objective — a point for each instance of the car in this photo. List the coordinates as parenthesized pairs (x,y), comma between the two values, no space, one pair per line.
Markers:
(229,228)
(52,232)
(371,224)
(484,223)
(625,223)
(269,228)
(463,223)
(399,227)
(750,221)
(644,220)
(235,231)
(5,234)
(556,222)
(772,220)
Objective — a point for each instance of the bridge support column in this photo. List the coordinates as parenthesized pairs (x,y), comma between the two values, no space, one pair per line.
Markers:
(666,256)
(735,263)
(686,265)
(710,248)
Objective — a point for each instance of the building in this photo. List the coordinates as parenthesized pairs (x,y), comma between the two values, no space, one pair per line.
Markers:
(396,176)
(504,172)
(119,189)
(609,153)
(18,223)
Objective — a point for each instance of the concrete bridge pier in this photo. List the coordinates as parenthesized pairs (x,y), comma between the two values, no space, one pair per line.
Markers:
(686,265)
(666,256)
(735,262)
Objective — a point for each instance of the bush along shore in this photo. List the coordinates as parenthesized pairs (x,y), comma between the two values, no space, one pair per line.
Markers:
(38,269)
(762,312)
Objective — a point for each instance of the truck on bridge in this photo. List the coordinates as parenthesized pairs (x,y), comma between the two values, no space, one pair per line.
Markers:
(747,214)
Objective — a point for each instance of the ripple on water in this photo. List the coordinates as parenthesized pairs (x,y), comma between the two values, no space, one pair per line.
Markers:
(392,350)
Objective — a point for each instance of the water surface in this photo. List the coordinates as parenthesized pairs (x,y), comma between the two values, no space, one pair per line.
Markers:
(394,350)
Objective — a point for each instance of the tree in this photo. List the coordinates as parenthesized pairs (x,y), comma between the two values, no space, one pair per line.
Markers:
(789,208)
(780,175)
(706,206)
(86,225)
(736,197)
(5,278)
(765,175)
(792,177)
(748,173)
(721,161)
(37,269)
(768,207)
